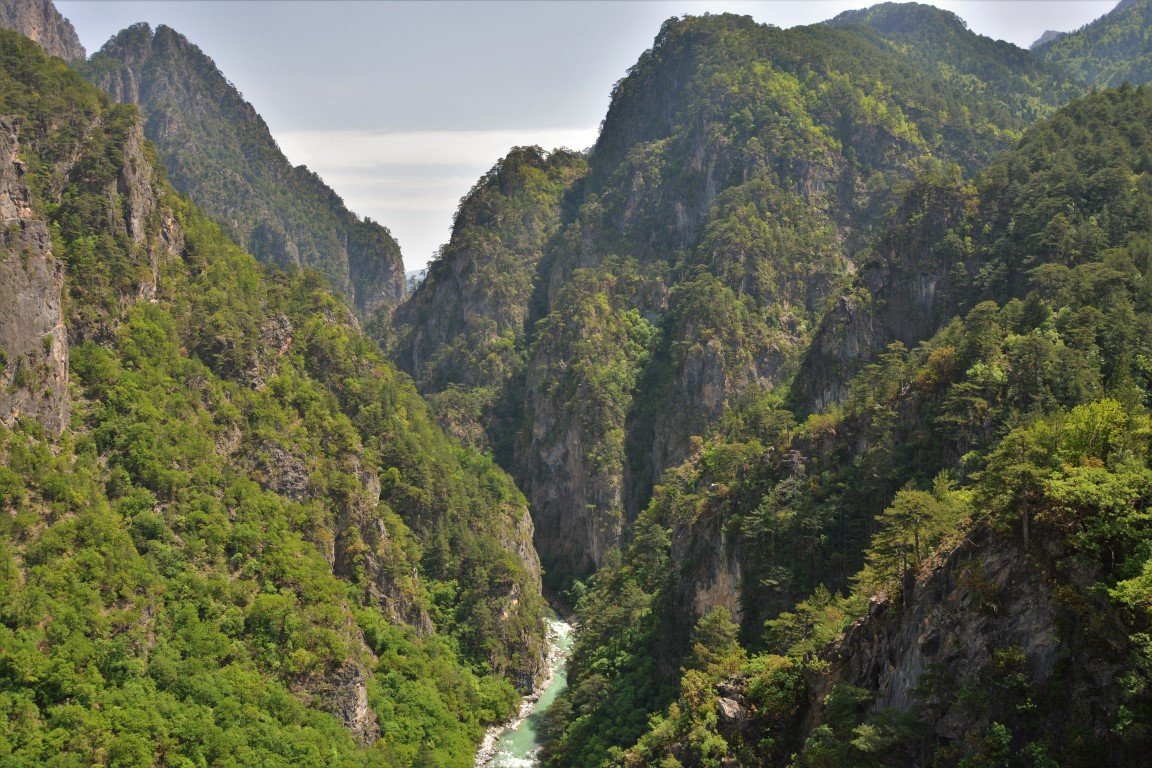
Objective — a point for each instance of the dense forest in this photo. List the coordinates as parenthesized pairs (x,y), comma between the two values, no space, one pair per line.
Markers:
(816,394)
(1003,460)
(246,542)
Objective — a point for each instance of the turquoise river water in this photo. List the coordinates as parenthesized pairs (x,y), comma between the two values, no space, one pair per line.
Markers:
(519,747)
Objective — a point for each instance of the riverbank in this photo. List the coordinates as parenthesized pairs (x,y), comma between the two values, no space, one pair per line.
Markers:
(514,744)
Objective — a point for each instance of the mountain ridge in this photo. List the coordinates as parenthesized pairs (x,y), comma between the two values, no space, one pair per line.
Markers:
(220,152)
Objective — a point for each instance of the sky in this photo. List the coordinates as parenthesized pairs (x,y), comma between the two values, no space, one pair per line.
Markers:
(401,106)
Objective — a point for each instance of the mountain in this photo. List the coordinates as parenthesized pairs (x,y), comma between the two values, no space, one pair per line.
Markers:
(931,572)
(1111,50)
(230,532)
(1048,36)
(40,21)
(1019,85)
(741,174)
(219,152)
(462,332)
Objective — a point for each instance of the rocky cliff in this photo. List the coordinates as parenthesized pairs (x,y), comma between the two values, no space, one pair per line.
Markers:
(33,339)
(739,180)
(461,333)
(907,287)
(743,184)
(40,21)
(984,612)
(219,152)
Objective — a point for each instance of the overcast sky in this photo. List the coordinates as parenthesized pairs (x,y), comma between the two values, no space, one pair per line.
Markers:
(401,106)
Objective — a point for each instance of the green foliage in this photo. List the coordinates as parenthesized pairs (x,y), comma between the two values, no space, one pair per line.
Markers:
(1109,51)
(715,648)
(1013,87)
(253,524)
(1024,416)
(463,334)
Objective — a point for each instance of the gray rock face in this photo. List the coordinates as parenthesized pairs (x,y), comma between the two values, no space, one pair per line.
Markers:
(343,692)
(905,292)
(1048,36)
(983,598)
(33,339)
(39,20)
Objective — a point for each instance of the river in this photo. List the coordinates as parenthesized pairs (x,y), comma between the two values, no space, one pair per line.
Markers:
(518,746)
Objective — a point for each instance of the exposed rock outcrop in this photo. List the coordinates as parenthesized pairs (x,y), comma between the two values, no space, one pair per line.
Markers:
(39,20)
(906,290)
(1048,36)
(343,692)
(33,338)
(985,616)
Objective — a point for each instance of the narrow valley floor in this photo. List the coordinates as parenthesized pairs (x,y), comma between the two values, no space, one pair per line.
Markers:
(519,747)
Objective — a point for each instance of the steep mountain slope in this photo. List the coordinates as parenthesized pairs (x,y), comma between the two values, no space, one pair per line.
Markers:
(219,152)
(1114,49)
(39,20)
(230,532)
(1016,85)
(462,332)
(1022,426)
(740,170)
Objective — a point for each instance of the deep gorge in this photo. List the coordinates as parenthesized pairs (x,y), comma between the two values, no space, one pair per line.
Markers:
(816,391)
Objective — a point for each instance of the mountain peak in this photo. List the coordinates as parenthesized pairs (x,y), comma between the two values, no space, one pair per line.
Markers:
(221,153)
(1048,36)
(888,18)
(40,21)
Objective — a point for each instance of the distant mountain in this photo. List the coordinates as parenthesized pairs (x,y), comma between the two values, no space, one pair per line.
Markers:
(1048,36)
(39,20)
(219,152)
(1114,49)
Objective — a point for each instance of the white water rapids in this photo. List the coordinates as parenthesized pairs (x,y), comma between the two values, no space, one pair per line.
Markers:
(517,744)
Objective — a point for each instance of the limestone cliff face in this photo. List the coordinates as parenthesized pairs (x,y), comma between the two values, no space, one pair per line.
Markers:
(741,175)
(343,692)
(478,290)
(33,336)
(462,333)
(980,597)
(33,339)
(39,20)
(907,288)
(219,152)
(570,452)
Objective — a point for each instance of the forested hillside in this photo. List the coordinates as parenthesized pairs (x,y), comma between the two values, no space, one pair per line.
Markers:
(740,172)
(1112,50)
(978,499)
(462,334)
(220,153)
(230,532)
(817,390)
